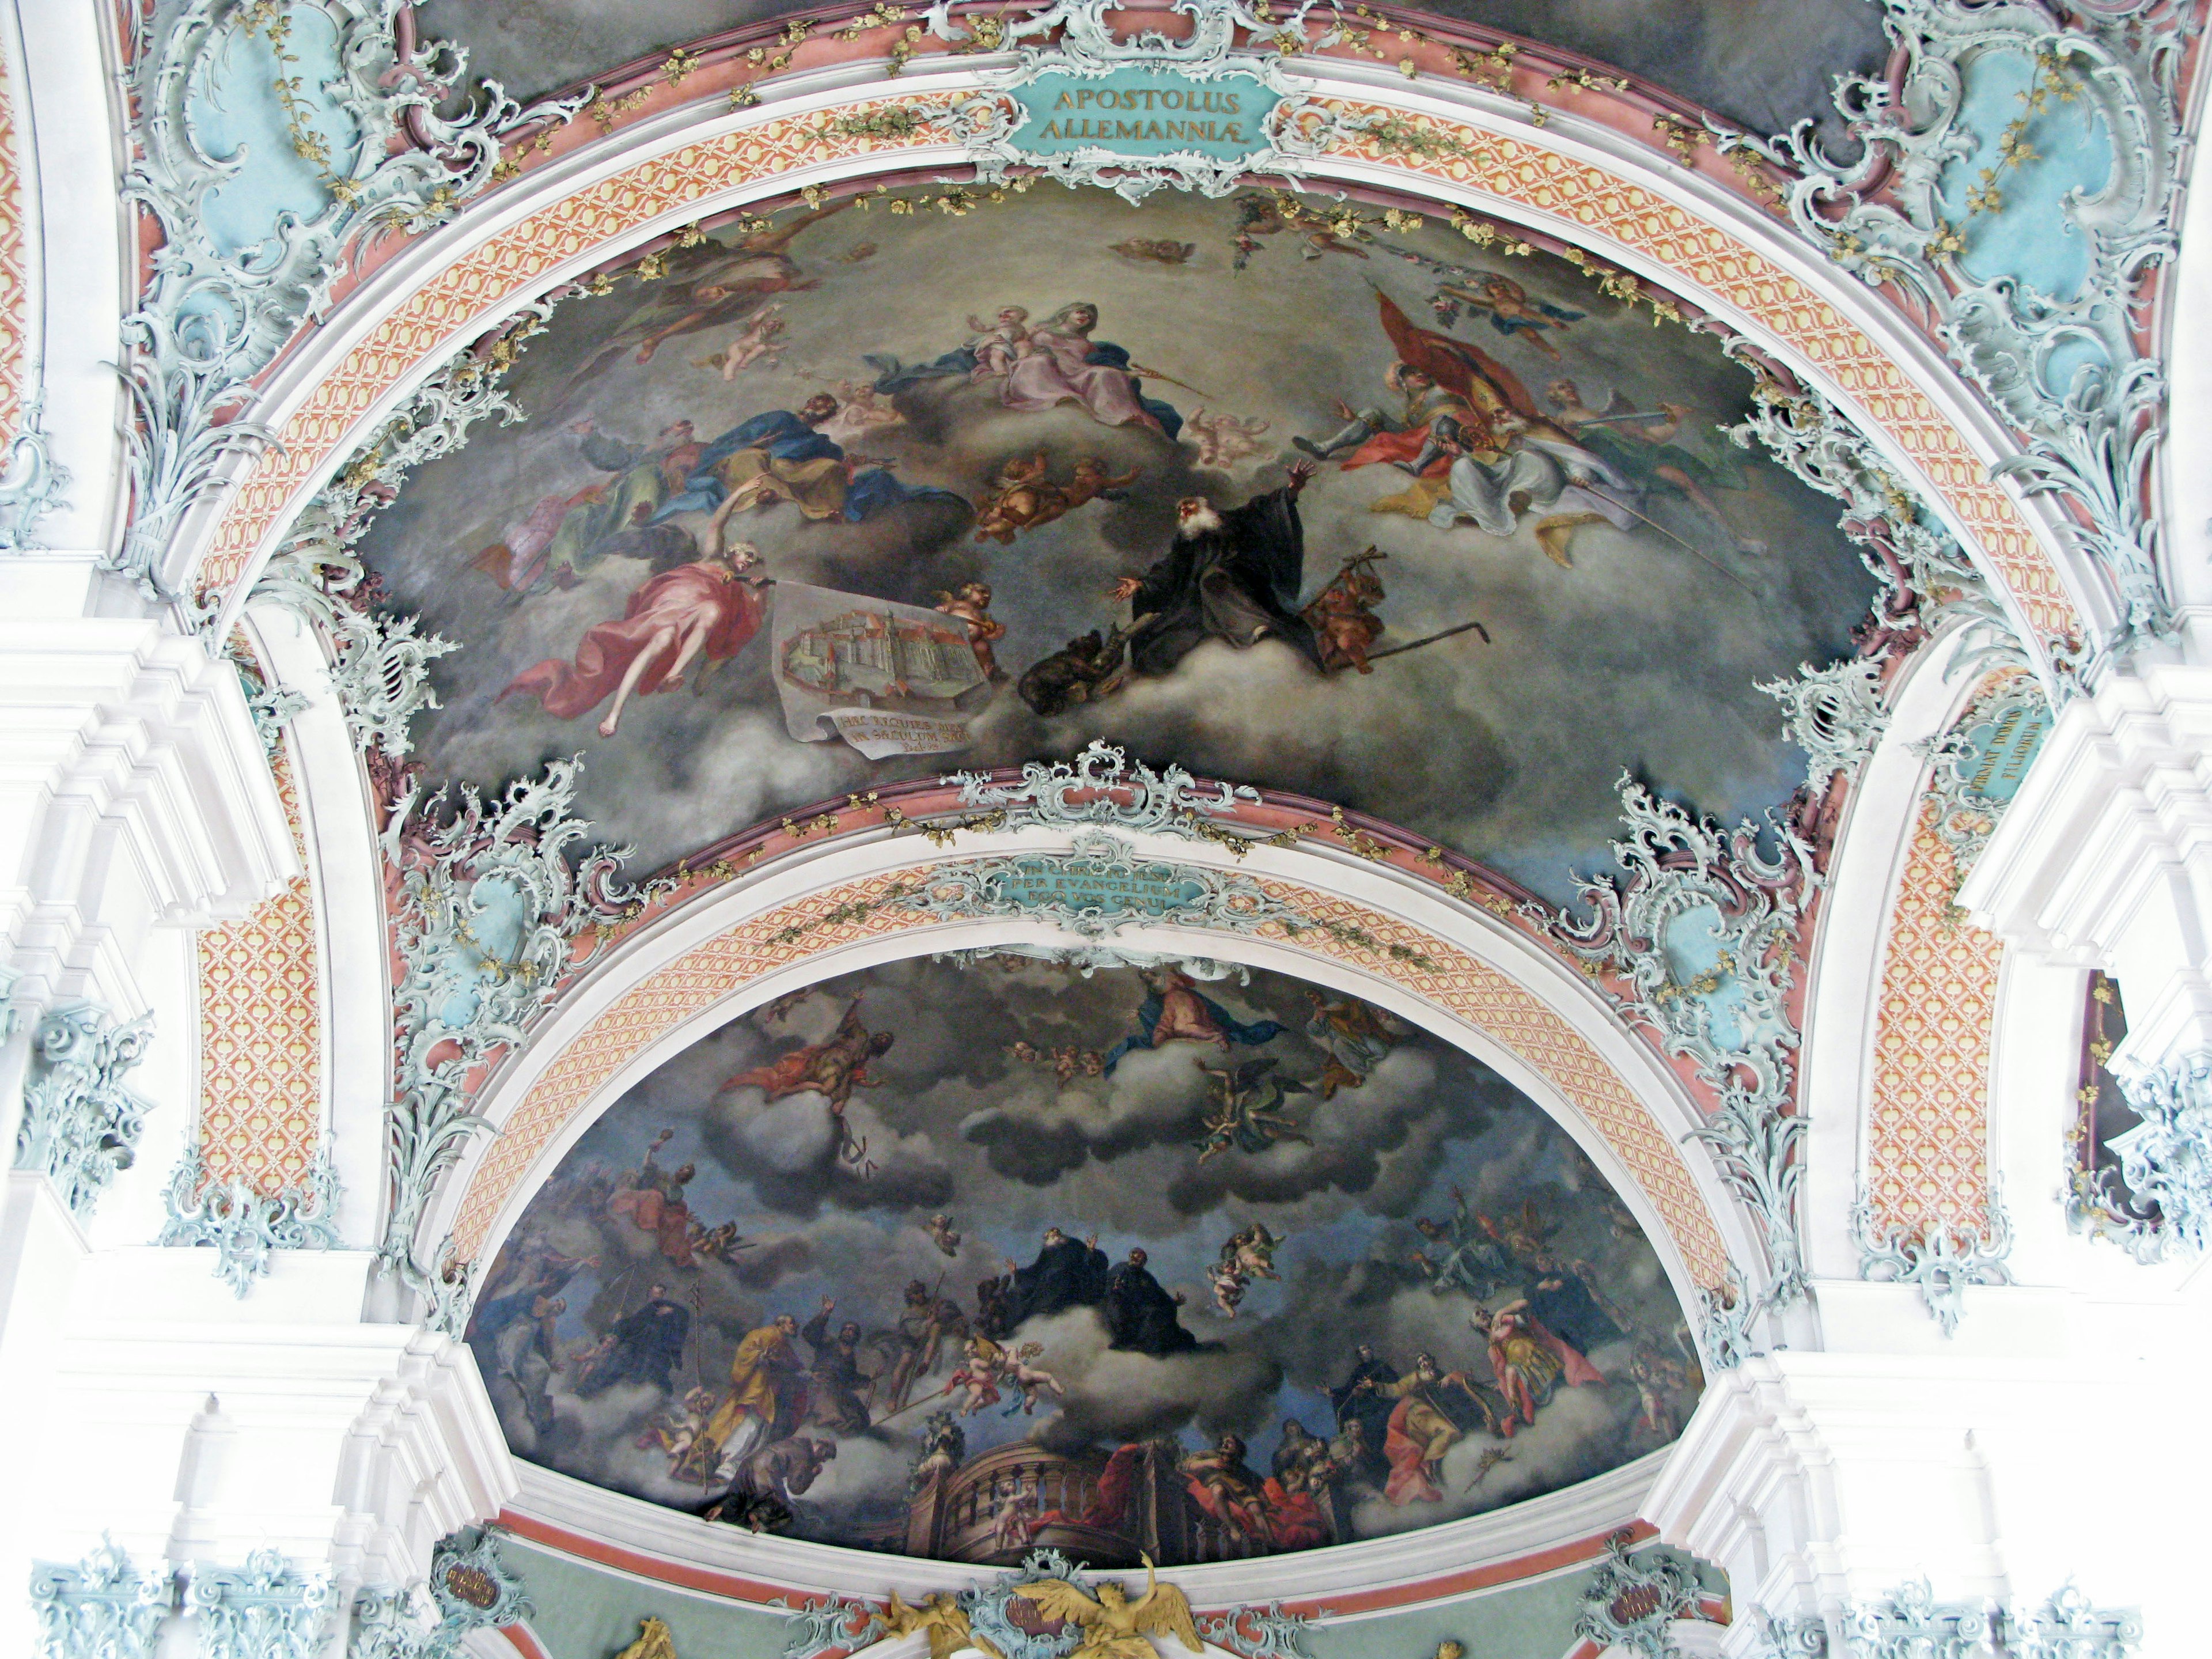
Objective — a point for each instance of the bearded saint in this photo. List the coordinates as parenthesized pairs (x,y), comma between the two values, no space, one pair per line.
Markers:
(1233,576)
(832,1069)
(766,1398)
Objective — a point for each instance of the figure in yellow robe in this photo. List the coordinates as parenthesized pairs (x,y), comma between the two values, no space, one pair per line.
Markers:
(748,1416)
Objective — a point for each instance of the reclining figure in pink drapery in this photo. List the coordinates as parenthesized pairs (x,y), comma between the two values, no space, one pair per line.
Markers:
(708,609)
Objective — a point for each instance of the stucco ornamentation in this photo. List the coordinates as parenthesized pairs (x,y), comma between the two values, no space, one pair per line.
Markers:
(2165,1160)
(1099,887)
(264,1610)
(1910,1623)
(274,142)
(1701,939)
(1083,45)
(1937,206)
(81,1123)
(470,1588)
(494,900)
(1938,1257)
(988,1618)
(381,667)
(101,1607)
(245,1225)
(1835,714)
(33,484)
(1928,581)
(1976,766)
(1633,1599)
(1121,795)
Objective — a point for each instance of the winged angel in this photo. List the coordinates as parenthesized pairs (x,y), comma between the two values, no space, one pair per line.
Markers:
(1114,1626)
(942,1617)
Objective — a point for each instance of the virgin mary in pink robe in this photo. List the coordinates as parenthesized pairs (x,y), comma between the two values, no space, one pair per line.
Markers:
(1059,363)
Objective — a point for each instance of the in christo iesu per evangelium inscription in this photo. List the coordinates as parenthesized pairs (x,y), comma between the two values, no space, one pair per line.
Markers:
(1145,112)
(1141,889)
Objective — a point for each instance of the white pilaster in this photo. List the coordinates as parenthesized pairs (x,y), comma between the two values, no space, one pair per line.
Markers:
(194,1427)
(2105,857)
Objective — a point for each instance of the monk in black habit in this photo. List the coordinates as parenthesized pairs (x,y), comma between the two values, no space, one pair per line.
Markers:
(648,1345)
(1064,1275)
(1233,576)
(1141,1316)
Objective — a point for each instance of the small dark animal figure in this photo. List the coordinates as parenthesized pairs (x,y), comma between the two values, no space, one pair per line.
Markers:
(1083,671)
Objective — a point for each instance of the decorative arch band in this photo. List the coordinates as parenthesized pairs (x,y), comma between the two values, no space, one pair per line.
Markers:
(1432,970)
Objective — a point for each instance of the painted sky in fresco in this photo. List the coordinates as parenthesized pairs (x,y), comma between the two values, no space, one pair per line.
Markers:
(962,1146)
(1636,648)
(1764,64)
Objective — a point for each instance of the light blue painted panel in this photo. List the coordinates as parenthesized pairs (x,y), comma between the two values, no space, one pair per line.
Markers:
(1145,112)
(236,115)
(2028,238)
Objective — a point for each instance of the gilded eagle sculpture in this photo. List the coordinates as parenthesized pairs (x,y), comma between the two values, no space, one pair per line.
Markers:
(1114,1626)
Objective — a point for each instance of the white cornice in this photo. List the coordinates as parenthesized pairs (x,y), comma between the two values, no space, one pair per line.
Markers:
(136,792)
(1441,1556)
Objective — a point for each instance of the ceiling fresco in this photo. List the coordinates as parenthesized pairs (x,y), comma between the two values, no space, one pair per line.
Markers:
(955,1259)
(856,495)
(1764,64)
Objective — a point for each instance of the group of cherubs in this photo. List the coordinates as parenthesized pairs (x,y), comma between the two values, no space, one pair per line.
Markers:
(1248,1254)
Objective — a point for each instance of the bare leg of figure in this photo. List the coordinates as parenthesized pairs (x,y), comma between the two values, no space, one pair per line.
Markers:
(1706,505)
(654,649)
(695,636)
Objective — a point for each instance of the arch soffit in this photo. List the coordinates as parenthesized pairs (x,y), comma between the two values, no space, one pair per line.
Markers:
(1575,179)
(1495,991)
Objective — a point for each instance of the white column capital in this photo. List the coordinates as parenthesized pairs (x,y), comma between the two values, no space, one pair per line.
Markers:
(1822,1482)
(194,1427)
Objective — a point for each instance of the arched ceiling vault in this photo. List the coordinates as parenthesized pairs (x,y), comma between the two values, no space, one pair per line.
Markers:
(1500,148)
(1835,450)
(1696,231)
(1526,1013)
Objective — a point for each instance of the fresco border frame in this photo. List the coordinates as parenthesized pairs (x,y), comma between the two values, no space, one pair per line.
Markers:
(1562,1532)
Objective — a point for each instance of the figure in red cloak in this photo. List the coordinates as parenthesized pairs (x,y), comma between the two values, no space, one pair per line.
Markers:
(711,608)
